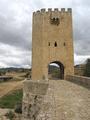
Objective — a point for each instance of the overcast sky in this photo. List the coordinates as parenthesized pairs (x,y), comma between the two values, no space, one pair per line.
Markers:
(16,29)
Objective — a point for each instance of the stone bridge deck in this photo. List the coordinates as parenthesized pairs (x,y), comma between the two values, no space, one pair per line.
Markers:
(64,100)
(68,101)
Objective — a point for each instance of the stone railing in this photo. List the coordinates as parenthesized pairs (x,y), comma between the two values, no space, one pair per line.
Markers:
(81,80)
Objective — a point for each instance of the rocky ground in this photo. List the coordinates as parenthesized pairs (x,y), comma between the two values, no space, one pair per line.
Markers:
(2,114)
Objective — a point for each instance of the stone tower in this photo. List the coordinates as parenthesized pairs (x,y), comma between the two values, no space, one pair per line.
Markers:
(52,42)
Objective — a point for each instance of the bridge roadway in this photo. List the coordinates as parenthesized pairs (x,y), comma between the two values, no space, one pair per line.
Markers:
(66,101)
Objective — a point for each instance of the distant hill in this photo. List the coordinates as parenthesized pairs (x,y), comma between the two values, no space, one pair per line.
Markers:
(4,71)
(53,68)
(10,69)
(54,72)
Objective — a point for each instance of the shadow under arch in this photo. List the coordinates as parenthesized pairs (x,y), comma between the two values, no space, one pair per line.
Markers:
(60,69)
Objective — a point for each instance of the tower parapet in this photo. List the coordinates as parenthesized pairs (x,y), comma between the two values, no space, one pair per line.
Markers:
(43,10)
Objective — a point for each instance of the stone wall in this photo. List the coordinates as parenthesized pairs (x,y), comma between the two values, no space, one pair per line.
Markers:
(81,80)
(52,40)
(33,95)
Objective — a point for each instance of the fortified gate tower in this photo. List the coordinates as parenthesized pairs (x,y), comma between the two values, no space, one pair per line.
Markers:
(52,42)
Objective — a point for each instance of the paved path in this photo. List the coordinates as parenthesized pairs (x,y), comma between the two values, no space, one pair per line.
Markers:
(68,101)
(7,87)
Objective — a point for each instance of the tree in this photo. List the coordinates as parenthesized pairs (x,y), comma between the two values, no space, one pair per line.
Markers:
(87,68)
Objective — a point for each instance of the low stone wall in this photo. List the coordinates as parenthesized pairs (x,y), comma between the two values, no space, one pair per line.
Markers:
(81,80)
(33,95)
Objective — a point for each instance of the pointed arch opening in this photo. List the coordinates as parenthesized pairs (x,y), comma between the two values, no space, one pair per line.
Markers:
(55,70)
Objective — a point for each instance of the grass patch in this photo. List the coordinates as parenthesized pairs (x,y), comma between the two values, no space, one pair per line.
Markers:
(11,99)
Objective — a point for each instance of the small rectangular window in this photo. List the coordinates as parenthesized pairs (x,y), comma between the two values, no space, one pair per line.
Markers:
(49,44)
(55,44)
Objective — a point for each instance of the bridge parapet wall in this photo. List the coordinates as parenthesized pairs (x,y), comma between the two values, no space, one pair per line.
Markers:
(33,95)
(81,80)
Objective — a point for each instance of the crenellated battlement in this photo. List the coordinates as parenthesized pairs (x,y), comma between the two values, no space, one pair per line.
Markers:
(68,10)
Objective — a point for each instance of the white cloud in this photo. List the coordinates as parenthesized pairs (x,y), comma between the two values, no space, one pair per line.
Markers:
(80,59)
(16,29)
(12,56)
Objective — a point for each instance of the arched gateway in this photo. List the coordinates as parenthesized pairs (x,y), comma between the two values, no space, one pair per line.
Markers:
(56,71)
(52,41)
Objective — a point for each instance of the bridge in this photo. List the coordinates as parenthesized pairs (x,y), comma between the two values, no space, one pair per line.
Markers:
(57,100)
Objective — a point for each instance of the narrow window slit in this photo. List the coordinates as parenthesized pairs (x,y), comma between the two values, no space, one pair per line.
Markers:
(64,44)
(49,44)
(55,44)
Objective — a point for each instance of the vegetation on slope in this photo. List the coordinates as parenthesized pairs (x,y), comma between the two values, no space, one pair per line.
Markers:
(11,99)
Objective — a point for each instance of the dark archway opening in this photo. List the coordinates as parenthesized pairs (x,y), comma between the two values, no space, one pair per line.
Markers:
(55,70)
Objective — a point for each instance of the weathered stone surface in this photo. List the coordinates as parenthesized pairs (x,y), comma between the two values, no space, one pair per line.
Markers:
(33,96)
(63,100)
(36,86)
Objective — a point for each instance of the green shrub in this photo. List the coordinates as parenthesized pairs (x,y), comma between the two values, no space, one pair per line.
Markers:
(18,108)
(10,115)
(87,69)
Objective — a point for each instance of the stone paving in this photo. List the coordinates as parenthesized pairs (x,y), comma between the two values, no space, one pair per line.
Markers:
(63,100)
(66,101)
